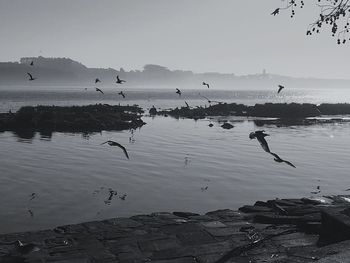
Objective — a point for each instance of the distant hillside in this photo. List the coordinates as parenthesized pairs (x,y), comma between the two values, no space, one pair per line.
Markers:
(65,71)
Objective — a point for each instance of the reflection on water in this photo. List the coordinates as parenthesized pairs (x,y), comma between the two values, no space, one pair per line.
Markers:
(174,165)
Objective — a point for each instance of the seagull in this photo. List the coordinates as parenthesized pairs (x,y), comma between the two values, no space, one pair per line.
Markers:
(206,84)
(119,81)
(260,136)
(276,12)
(113,143)
(209,101)
(280,87)
(280,160)
(30,77)
(97,80)
(32,63)
(178,92)
(122,94)
(99,90)
(32,196)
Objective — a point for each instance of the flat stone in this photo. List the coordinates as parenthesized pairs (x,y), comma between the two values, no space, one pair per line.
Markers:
(158,245)
(177,260)
(194,238)
(276,219)
(213,224)
(335,224)
(255,209)
(123,222)
(185,214)
(221,232)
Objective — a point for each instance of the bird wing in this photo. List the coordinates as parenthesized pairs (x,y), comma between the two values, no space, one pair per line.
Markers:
(187,104)
(104,142)
(123,148)
(275,12)
(289,163)
(97,89)
(204,97)
(118,78)
(275,155)
(30,75)
(263,144)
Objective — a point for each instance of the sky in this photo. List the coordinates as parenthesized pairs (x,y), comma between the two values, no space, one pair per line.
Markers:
(227,36)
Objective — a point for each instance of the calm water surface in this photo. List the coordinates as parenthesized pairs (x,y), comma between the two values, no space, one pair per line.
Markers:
(174,165)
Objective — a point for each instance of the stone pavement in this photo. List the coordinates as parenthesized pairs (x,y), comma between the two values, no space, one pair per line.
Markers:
(288,230)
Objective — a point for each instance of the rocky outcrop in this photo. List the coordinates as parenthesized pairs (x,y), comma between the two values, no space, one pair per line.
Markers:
(92,118)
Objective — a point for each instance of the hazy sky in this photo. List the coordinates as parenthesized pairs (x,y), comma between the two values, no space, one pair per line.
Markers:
(200,35)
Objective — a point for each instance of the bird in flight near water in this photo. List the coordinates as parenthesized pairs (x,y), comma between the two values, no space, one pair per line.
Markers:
(30,77)
(97,80)
(99,90)
(260,136)
(113,143)
(280,160)
(280,88)
(205,84)
(122,94)
(119,81)
(178,92)
(276,12)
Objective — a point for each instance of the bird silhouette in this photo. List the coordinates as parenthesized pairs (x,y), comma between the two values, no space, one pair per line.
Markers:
(99,90)
(122,94)
(178,92)
(113,143)
(32,63)
(187,106)
(280,160)
(280,87)
(209,101)
(119,81)
(276,12)
(97,80)
(205,84)
(260,136)
(30,77)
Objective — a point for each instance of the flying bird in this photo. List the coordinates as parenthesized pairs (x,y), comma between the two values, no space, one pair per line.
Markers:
(209,101)
(99,90)
(280,160)
(119,81)
(32,63)
(178,92)
(280,88)
(122,94)
(97,80)
(113,143)
(260,136)
(276,12)
(187,106)
(205,84)
(30,77)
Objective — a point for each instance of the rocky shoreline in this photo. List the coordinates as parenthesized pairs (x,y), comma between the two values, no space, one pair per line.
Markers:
(279,230)
(91,118)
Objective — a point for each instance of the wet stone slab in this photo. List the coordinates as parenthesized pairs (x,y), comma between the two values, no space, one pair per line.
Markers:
(271,231)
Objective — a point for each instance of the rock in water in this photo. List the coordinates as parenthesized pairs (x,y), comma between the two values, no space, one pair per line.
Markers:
(153,111)
(227,126)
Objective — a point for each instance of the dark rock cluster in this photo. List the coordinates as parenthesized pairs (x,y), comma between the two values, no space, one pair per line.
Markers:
(274,110)
(91,118)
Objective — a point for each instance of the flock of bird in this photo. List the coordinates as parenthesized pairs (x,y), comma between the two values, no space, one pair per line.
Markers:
(259,135)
